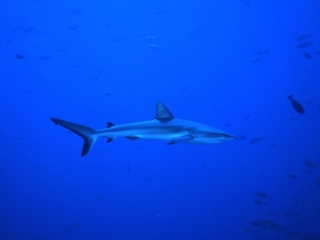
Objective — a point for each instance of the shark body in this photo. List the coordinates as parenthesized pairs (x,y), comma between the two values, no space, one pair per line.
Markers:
(163,127)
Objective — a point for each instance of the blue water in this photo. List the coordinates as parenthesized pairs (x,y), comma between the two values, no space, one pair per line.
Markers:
(228,64)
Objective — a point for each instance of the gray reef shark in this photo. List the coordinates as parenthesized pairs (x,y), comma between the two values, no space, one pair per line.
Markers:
(164,126)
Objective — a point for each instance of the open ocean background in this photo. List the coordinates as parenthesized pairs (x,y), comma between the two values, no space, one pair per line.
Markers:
(230,64)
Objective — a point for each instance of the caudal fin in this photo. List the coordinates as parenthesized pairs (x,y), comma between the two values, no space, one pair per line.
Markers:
(87,133)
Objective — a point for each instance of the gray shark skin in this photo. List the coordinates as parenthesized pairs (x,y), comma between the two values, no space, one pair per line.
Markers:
(163,127)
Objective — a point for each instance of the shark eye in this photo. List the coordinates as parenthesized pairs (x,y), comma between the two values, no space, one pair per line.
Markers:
(193,133)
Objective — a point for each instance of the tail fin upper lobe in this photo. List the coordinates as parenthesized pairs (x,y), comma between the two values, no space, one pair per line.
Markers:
(87,133)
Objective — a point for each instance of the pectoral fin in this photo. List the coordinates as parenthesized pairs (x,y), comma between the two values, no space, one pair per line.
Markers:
(183,139)
(132,138)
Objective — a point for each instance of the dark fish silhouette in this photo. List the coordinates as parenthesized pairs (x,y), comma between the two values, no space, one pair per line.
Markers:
(261,52)
(290,214)
(305,44)
(261,195)
(257,60)
(303,37)
(311,164)
(17,28)
(259,202)
(296,105)
(293,177)
(19,56)
(307,55)
(28,30)
(72,228)
(255,140)
(161,11)
(311,101)
(318,182)
(269,226)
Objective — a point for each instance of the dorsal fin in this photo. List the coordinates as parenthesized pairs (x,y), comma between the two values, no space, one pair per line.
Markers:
(163,113)
(110,124)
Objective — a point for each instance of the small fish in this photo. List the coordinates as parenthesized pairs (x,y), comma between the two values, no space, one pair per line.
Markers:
(290,214)
(129,167)
(293,177)
(311,101)
(269,226)
(313,192)
(73,28)
(16,28)
(28,30)
(161,11)
(297,202)
(62,49)
(153,46)
(255,140)
(99,197)
(296,105)
(72,228)
(290,163)
(246,230)
(259,202)
(268,214)
(19,56)
(317,182)
(296,235)
(261,195)
(118,39)
(311,164)
(150,38)
(201,29)
(227,124)
(303,37)
(204,165)
(261,52)
(305,44)
(257,60)
(307,55)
